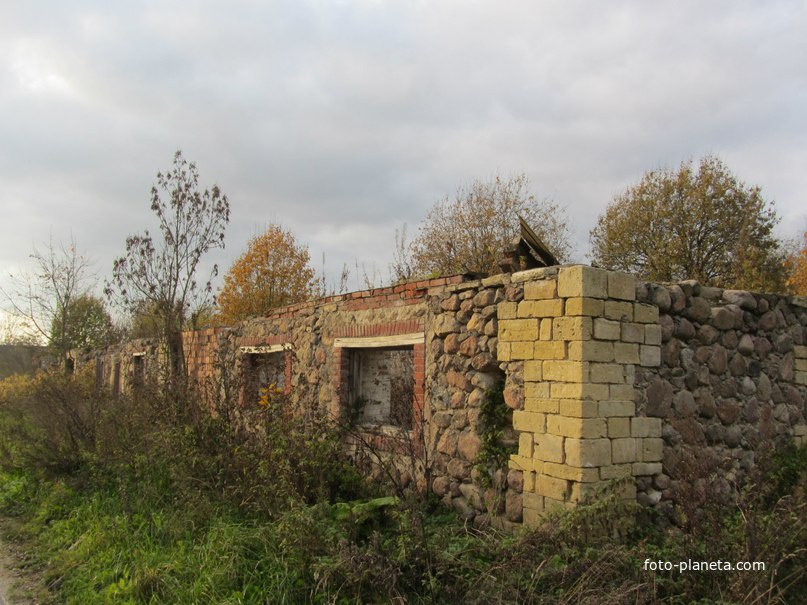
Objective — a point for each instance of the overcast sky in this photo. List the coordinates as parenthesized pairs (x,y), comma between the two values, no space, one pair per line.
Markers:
(343,120)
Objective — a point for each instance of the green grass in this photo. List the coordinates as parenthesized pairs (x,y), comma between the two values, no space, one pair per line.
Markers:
(151,512)
(99,544)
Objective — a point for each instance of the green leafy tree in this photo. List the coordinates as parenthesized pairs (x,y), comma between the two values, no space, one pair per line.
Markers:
(697,223)
(160,273)
(85,325)
(468,233)
(274,271)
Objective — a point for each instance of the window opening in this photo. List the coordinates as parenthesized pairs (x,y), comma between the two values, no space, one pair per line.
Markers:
(382,386)
(264,372)
(116,379)
(138,371)
(99,372)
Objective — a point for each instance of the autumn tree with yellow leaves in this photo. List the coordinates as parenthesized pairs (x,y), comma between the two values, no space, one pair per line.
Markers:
(273,272)
(797,270)
(698,222)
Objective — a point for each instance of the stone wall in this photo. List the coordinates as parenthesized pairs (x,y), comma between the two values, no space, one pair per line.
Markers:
(732,383)
(604,378)
(118,367)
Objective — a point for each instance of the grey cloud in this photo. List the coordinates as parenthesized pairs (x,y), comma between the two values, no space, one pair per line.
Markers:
(345,120)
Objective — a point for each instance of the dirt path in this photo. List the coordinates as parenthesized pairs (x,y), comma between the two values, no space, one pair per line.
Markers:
(6,577)
(16,587)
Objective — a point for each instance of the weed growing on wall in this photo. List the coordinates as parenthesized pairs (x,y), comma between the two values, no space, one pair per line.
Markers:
(493,419)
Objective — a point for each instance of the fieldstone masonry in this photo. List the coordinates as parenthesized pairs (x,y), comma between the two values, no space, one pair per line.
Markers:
(604,378)
(730,386)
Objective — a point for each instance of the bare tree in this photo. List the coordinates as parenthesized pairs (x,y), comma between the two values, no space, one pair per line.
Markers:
(161,273)
(41,297)
(401,269)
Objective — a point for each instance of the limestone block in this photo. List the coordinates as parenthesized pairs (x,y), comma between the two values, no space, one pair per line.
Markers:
(622,392)
(606,372)
(618,310)
(545,331)
(552,487)
(542,405)
(532,517)
(609,409)
(504,352)
(529,481)
(800,365)
(618,427)
(591,350)
(525,445)
(621,286)
(579,280)
(507,310)
(551,503)
(645,314)
(625,352)
(540,289)
(606,329)
(632,332)
(646,468)
(521,350)
(652,334)
(584,306)
(623,450)
(564,371)
(549,349)
(571,390)
(652,449)
(645,427)
(552,307)
(649,356)
(521,463)
(537,390)
(533,502)
(572,473)
(572,328)
(616,471)
(511,330)
(579,408)
(533,422)
(800,351)
(579,428)
(588,453)
(582,493)
(532,371)
(548,448)
(534,274)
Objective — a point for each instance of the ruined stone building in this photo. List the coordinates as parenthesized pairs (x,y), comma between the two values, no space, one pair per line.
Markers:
(604,378)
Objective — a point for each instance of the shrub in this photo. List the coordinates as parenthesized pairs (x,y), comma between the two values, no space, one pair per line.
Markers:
(48,422)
